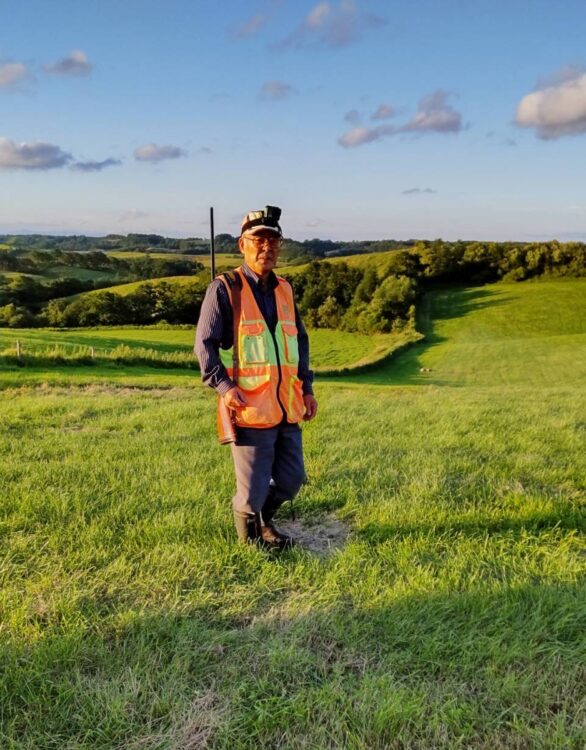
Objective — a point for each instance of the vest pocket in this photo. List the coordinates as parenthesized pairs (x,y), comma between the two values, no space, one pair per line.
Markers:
(262,408)
(253,344)
(290,343)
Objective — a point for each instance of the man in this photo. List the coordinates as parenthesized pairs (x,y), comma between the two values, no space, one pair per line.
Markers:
(268,389)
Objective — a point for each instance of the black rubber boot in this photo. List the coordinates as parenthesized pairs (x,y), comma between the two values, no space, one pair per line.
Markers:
(270,534)
(247,527)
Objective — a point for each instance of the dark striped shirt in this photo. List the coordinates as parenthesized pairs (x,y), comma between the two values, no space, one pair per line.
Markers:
(215,329)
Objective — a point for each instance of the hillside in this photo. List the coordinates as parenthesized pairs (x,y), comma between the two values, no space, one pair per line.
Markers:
(502,334)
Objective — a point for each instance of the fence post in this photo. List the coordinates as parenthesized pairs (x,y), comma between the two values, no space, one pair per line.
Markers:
(92,352)
(17,348)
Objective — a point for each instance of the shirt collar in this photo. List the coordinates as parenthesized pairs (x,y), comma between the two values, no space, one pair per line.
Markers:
(252,276)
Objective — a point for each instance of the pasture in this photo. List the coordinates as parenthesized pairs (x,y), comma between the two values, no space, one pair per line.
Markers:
(330,349)
(450,613)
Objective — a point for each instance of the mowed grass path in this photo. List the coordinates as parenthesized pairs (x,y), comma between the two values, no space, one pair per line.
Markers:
(453,617)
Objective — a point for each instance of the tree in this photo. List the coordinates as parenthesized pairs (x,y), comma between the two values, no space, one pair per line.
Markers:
(329,314)
(16,317)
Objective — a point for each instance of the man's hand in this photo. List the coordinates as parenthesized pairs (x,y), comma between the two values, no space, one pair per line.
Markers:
(234,398)
(310,407)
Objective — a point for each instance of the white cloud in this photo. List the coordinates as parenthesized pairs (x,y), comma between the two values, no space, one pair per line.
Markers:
(154,153)
(275,91)
(359,136)
(12,73)
(557,109)
(30,156)
(95,166)
(433,115)
(75,64)
(383,112)
(333,25)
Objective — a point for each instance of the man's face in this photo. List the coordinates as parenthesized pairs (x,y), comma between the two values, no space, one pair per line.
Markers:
(261,251)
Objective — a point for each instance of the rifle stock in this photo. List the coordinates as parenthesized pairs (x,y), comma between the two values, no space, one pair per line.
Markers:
(225,423)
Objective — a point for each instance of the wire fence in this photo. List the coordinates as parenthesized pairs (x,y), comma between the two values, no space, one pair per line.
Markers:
(34,354)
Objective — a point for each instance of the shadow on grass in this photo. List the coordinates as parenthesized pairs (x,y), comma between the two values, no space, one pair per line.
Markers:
(477,526)
(499,667)
(439,304)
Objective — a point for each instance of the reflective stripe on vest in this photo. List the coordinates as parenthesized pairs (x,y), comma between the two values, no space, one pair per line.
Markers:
(267,363)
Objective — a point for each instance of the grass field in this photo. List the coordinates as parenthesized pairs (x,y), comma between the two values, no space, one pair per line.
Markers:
(330,349)
(84,274)
(222,259)
(360,260)
(451,616)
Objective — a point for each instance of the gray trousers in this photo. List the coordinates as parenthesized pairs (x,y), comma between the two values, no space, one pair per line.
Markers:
(261,456)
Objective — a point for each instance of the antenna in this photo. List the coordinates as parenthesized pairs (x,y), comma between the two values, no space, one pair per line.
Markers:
(212,243)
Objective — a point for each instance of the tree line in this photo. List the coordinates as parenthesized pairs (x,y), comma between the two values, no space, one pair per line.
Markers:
(23,297)
(148,303)
(381,297)
(294,251)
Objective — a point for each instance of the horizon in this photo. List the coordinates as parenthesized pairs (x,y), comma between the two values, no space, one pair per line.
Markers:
(362,119)
(206,238)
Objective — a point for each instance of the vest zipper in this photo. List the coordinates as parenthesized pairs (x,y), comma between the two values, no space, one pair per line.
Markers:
(278,365)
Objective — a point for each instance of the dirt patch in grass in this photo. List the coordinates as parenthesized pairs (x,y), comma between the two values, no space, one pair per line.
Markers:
(194,730)
(322,537)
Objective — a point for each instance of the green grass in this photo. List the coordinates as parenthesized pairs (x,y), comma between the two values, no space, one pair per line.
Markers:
(129,255)
(222,259)
(504,335)
(16,275)
(330,349)
(125,289)
(361,260)
(453,617)
(84,274)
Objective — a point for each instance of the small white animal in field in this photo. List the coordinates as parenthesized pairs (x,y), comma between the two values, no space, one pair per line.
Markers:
(425,369)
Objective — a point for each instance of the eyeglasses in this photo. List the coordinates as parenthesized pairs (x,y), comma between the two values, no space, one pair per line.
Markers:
(270,241)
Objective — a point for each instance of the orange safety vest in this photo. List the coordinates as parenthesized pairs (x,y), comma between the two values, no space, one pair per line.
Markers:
(266,370)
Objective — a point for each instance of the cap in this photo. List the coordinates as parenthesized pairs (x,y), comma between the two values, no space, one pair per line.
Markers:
(265,220)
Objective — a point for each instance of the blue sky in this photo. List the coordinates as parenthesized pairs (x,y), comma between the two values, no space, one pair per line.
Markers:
(137,115)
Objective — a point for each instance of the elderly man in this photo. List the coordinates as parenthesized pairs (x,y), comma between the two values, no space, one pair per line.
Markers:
(268,390)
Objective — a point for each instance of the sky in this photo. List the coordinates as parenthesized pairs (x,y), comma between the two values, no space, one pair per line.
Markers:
(361,119)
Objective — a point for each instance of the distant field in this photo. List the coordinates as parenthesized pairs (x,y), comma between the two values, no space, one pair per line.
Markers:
(444,610)
(129,255)
(16,274)
(328,348)
(79,273)
(361,260)
(226,262)
(84,274)
(530,333)
(124,289)
(222,259)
